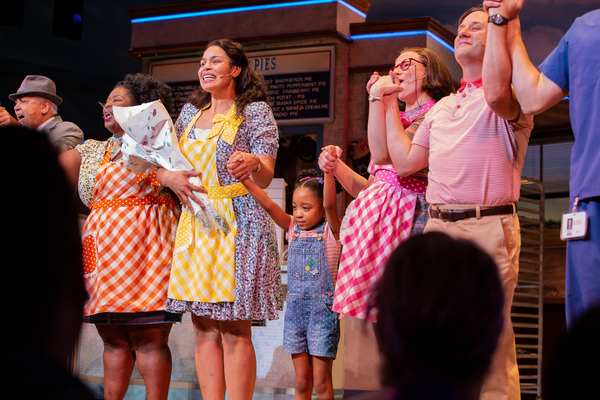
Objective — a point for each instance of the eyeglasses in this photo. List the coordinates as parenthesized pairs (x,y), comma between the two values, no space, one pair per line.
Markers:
(116,99)
(404,65)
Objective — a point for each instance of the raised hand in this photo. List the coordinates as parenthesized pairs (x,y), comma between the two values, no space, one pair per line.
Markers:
(386,85)
(6,119)
(328,157)
(374,78)
(507,8)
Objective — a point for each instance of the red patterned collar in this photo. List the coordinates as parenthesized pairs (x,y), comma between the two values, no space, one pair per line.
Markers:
(463,84)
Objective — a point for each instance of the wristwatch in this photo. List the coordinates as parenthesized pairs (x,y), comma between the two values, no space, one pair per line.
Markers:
(374,98)
(498,19)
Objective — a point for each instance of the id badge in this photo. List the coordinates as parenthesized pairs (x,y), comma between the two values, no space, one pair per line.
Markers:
(574,225)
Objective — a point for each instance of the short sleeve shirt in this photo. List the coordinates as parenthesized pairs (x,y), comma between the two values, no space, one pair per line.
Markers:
(573,66)
(475,157)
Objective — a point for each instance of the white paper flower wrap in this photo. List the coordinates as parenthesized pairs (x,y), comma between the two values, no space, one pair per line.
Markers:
(150,141)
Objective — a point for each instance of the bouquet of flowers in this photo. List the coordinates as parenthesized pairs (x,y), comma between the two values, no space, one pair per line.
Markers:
(150,141)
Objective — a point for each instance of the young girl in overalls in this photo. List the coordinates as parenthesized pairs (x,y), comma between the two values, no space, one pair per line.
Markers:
(311,329)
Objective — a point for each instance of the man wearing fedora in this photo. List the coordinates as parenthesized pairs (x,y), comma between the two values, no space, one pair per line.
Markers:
(36,106)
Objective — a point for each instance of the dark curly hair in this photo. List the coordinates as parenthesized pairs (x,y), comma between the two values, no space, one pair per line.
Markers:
(145,88)
(249,87)
(312,180)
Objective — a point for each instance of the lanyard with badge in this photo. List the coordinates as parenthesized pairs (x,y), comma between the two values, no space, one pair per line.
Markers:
(574,224)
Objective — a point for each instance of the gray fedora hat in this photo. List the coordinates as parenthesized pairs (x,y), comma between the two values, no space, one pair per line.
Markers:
(37,85)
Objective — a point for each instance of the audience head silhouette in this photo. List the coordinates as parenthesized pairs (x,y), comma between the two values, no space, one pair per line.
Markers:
(44,274)
(439,305)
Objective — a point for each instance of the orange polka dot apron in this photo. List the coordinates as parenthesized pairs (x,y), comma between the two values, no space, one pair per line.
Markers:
(127,241)
(204,262)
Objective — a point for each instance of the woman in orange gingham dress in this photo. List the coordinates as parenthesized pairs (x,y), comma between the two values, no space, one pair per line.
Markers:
(127,249)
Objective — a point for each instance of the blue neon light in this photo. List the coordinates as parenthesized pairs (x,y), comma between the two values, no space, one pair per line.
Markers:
(405,33)
(356,10)
(242,9)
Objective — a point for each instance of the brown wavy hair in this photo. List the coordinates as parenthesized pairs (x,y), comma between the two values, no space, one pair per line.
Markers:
(438,82)
(249,87)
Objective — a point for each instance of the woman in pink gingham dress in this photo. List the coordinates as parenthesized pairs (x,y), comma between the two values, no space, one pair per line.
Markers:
(387,209)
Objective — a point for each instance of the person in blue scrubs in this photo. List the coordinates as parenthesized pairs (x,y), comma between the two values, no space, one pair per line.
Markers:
(570,70)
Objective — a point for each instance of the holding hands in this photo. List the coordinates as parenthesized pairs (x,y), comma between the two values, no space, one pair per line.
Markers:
(374,78)
(510,9)
(240,165)
(381,86)
(328,157)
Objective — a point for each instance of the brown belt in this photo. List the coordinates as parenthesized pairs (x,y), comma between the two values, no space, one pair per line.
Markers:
(449,214)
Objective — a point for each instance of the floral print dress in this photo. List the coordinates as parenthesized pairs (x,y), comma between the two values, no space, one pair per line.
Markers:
(257,271)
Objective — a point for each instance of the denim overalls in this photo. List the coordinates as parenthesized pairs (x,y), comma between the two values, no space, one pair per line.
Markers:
(310,326)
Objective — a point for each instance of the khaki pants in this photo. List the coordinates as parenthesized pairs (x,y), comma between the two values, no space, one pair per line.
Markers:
(500,236)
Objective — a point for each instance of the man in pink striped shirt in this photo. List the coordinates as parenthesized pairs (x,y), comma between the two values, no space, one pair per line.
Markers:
(474,142)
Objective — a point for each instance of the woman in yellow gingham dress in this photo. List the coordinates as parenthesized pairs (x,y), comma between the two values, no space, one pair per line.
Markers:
(226,279)
(127,248)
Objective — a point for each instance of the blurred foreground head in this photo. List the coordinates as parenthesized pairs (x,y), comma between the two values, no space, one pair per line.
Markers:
(439,305)
(44,271)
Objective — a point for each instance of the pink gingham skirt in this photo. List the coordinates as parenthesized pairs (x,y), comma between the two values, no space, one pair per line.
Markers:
(377,221)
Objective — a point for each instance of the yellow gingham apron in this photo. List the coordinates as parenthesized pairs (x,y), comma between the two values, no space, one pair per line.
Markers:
(204,263)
